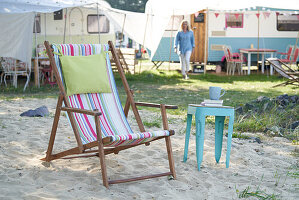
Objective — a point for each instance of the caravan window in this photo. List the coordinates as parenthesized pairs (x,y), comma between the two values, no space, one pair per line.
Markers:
(92,24)
(288,22)
(174,23)
(234,20)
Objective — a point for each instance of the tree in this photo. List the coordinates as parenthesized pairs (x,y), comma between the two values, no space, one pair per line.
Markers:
(129,5)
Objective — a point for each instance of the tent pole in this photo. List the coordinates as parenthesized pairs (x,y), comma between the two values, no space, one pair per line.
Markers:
(98,23)
(64,30)
(36,53)
(143,40)
(206,40)
(122,31)
(45,16)
(258,36)
(171,40)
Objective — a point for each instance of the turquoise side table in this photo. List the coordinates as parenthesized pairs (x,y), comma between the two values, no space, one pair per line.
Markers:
(200,115)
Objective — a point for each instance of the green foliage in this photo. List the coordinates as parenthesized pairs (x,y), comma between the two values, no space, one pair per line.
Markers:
(259,194)
(152,123)
(129,5)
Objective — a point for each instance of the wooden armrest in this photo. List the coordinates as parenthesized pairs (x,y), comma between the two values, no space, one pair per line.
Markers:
(282,53)
(83,111)
(154,105)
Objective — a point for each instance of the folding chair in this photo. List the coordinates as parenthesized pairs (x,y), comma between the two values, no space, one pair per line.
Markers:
(290,74)
(98,119)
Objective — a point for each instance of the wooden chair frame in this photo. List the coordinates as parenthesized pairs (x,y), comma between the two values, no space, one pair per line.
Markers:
(292,75)
(101,151)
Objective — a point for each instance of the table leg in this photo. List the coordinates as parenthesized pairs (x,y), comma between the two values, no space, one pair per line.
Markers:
(229,138)
(249,62)
(219,124)
(200,131)
(36,72)
(271,67)
(263,63)
(188,129)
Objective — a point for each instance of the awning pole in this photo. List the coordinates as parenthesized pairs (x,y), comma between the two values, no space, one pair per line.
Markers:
(45,16)
(143,40)
(122,31)
(64,30)
(98,23)
(36,53)
(206,41)
(258,36)
(171,40)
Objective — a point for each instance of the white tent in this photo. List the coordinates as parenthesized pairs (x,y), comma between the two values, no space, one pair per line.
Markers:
(17,19)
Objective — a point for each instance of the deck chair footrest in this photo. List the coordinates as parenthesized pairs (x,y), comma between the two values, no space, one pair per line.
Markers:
(139,178)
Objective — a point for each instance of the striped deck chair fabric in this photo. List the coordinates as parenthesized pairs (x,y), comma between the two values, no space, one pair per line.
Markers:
(113,120)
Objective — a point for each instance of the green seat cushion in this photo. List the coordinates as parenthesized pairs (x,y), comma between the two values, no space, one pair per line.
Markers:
(85,74)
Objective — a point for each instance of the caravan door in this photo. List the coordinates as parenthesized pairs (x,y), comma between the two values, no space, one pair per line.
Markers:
(198,25)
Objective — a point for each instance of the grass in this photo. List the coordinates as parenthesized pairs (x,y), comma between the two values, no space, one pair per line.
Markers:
(168,87)
(279,181)
(259,194)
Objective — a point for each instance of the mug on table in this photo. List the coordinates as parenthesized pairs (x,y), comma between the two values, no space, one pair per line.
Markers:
(215,93)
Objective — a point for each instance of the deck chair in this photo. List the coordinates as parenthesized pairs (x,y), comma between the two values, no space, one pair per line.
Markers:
(98,120)
(290,74)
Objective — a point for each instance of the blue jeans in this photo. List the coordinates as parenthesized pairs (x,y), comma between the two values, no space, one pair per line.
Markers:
(185,61)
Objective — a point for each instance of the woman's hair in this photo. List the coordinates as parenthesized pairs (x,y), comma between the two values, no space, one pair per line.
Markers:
(181,27)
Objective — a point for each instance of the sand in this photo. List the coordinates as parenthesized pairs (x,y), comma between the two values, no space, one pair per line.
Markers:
(23,141)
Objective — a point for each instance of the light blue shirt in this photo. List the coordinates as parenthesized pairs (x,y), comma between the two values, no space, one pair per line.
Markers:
(185,41)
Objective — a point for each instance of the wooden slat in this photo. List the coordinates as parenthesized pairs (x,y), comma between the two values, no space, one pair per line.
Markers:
(83,111)
(101,152)
(168,141)
(62,92)
(139,178)
(54,128)
(154,105)
(126,86)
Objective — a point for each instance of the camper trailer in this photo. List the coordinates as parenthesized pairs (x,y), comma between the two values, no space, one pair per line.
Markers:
(79,26)
(273,28)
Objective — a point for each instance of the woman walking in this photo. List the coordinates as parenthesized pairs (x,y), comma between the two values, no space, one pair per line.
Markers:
(185,40)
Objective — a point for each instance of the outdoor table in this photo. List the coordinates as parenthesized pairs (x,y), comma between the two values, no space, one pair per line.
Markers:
(258,51)
(36,68)
(200,115)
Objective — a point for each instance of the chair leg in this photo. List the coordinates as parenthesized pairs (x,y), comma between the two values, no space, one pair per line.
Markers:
(5,80)
(15,81)
(27,81)
(234,68)
(101,152)
(170,156)
(54,129)
(1,78)
(167,140)
(227,67)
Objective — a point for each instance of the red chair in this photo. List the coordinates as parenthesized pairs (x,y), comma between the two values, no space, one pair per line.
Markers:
(47,73)
(287,54)
(289,60)
(233,60)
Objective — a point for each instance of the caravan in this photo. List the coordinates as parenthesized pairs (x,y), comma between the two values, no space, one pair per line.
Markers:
(248,28)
